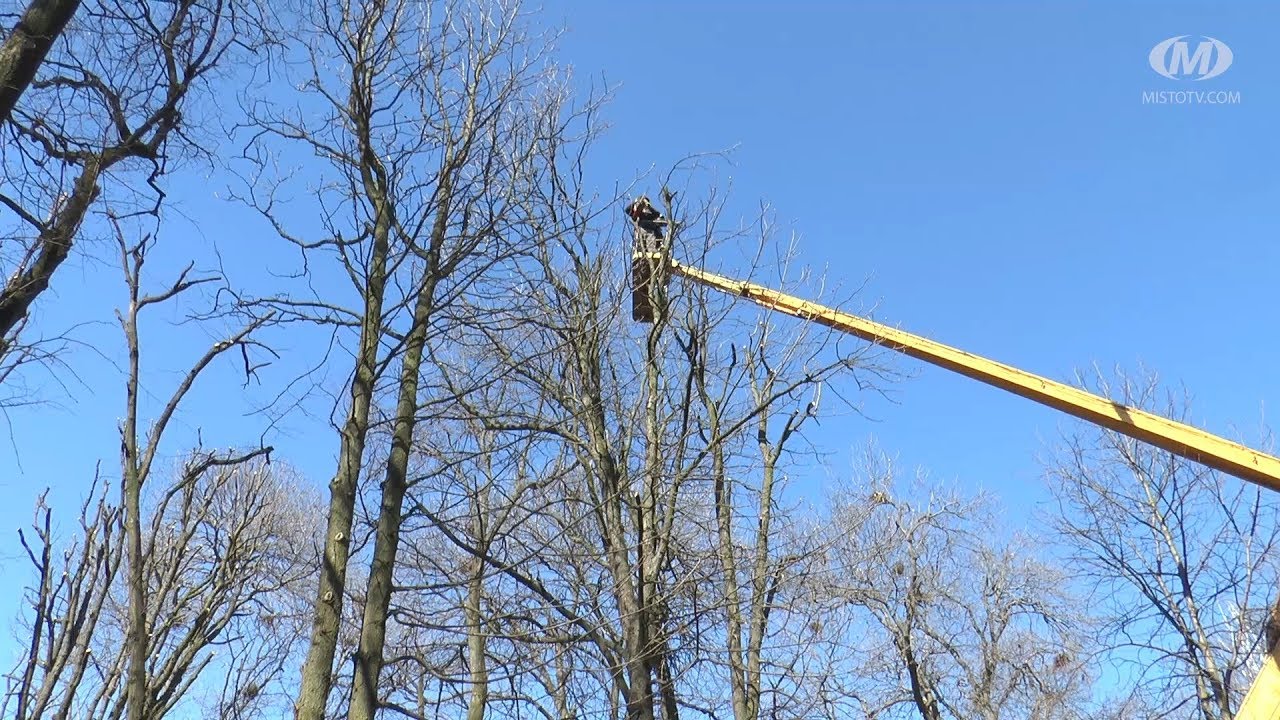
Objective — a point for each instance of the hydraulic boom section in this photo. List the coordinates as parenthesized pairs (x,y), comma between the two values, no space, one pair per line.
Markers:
(652,266)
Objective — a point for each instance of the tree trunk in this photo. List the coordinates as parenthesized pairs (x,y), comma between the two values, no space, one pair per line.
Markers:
(654,542)
(327,606)
(923,692)
(136,680)
(317,672)
(25,48)
(373,630)
(131,491)
(476,640)
(627,578)
(723,490)
(54,241)
(761,571)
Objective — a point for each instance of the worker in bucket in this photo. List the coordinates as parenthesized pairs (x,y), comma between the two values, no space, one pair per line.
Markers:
(647,217)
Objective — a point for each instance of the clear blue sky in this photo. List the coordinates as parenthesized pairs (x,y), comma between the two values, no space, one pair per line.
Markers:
(990,168)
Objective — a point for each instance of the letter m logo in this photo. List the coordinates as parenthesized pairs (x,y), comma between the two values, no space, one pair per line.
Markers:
(1174,58)
(1181,62)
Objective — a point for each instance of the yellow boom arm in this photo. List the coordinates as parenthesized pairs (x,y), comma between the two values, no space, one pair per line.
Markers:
(1166,434)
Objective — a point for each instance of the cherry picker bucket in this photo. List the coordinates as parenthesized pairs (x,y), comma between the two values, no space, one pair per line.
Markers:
(648,274)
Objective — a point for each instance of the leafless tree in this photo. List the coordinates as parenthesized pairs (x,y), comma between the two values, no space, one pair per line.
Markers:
(562,512)
(1183,559)
(466,634)
(98,126)
(945,614)
(139,449)
(760,554)
(66,604)
(424,133)
(224,554)
(616,558)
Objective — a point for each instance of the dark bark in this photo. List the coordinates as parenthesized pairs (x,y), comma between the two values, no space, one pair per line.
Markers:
(373,631)
(327,606)
(317,672)
(27,45)
(55,242)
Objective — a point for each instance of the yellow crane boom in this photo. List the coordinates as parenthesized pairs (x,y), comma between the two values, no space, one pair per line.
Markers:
(651,267)
(1175,437)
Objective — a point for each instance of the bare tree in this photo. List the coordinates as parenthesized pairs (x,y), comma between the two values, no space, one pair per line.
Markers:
(66,604)
(423,133)
(761,554)
(482,63)
(946,619)
(139,450)
(100,124)
(1183,559)
(465,633)
(224,555)
(617,552)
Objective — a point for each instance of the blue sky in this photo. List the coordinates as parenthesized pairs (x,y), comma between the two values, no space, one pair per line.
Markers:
(988,169)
